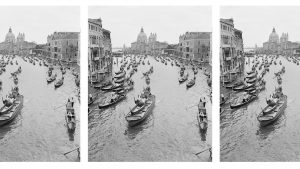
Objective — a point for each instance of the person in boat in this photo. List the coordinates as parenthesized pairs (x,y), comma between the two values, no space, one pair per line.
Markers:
(69,103)
(222,97)
(72,102)
(140,102)
(244,98)
(91,97)
(8,101)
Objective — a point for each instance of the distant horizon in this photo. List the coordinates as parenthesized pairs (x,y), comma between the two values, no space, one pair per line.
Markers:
(257,22)
(126,23)
(37,22)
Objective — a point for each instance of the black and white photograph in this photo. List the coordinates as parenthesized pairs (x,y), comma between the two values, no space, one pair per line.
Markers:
(39,84)
(149,79)
(259,99)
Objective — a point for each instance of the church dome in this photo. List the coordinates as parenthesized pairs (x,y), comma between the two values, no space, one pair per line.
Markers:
(10,37)
(142,37)
(274,36)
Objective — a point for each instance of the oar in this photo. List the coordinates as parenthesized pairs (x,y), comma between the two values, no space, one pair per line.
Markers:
(71,151)
(59,106)
(203,151)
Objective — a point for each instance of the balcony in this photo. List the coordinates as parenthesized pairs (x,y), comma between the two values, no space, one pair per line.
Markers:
(228,58)
(96,58)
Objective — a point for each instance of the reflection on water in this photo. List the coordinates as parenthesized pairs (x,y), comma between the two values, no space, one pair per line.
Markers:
(170,133)
(242,137)
(39,133)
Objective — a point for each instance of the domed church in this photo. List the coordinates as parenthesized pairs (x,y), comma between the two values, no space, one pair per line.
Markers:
(141,43)
(273,37)
(10,37)
(145,45)
(13,45)
(272,45)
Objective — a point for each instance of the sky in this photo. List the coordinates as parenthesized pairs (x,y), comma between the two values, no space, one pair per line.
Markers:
(257,23)
(38,22)
(168,22)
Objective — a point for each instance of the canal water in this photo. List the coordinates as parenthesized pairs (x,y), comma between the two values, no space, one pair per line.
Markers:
(170,133)
(242,138)
(39,132)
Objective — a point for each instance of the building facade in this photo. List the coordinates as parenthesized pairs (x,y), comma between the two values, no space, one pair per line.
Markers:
(64,46)
(231,47)
(195,46)
(99,52)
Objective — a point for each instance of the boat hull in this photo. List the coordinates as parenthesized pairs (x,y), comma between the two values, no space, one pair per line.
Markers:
(132,122)
(267,120)
(10,116)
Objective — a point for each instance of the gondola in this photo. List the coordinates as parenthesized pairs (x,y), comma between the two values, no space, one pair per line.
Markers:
(202,117)
(233,85)
(112,101)
(253,80)
(141,111)
(272,112)
(147,80)
(121,75)
(118,89)
(239,102)
(209,82)
(191,82)
(51,78)
(111,87)
(70,117)
(121,80)
(240,87)
(16,80)
(120,71)
(77,81)
(250,76)
(59,83)
(9,115)
(183,78)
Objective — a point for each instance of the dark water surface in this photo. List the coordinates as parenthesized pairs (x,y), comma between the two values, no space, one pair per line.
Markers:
(39,133)
(242,138)
(170,133)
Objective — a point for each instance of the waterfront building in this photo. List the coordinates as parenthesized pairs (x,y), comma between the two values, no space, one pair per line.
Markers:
(195,46)
(99,52)
(64,46)
(231,48)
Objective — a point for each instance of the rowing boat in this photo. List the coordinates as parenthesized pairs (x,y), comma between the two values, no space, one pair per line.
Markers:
(243,100)
(112,101)
(9,115)
(138,115)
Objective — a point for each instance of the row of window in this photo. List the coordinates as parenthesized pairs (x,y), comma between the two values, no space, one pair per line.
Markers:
(226,28)
(94,28)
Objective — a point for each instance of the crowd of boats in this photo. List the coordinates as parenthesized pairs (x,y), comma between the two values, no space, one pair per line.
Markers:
(13,102)
(121,83)
(251,84)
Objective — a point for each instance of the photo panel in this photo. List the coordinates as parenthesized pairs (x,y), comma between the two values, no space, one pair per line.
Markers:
(259,64)
(149,95)
(39,83)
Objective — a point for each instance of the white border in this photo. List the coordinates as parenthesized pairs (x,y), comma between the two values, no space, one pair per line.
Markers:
(216,4)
